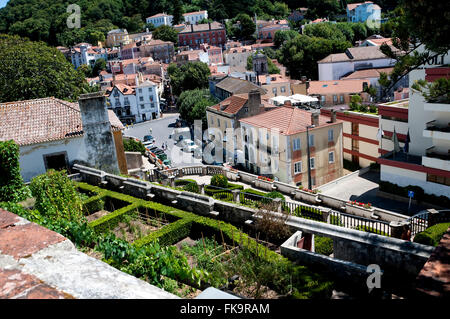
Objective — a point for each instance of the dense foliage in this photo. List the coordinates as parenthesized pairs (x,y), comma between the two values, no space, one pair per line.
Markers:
(11,182)
(165,33)
(432,235)
(131,145)
(192,105)
(190,76)
(435,92)
(271,67)
(56,196)
(219,180)
(30,70)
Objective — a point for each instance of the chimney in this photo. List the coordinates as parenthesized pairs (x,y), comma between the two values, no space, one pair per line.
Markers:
(98,138)
(223,107)
(315,119)
(333,116)
(254,101)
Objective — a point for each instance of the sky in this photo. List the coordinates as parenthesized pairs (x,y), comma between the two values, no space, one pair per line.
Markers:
(3,3)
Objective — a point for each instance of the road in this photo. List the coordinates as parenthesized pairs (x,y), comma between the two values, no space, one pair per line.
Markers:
(160,130)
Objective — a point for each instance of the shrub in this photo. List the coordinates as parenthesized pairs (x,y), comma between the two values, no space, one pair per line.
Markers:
(309,213)
(192,187)
(370,230)
(11,182)
(219,180)
(432,235)
(323,245)
(131,145)
(56,196)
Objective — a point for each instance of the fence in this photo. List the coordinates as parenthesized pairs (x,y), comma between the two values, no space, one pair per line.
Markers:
(418,223)
(360,223)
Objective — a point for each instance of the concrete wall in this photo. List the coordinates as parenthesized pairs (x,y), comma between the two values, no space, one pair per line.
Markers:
(98,138)
(134,160)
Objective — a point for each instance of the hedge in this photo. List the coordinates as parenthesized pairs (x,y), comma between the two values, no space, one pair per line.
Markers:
(93,204)
(419,193)
(323,245)
(309,213)
(432,235)
(190,223)
(371,230)
(211,190)
(183,182)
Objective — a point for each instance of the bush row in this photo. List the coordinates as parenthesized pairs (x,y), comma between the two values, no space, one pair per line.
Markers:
(432,235)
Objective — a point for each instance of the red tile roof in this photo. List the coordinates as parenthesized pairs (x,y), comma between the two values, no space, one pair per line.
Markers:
(287,119)
(233,104)
(43,120)
(369,73)
(336,87)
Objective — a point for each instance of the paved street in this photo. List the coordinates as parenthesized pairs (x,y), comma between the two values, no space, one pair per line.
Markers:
(364,189)
(161,129)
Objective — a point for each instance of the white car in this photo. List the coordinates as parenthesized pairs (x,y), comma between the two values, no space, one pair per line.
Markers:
(189,146)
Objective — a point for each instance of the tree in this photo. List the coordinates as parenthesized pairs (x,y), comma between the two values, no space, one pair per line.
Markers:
(322,9)
(190,76)
(271,67)
(325,30)
(282,36)
(421,24)
(300,55)
(99,66)
(31,70)
(177,12)
(192,105)
(166,33)
(247,26)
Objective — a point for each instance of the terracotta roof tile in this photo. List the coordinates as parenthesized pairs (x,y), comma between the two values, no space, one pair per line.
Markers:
(287,119)
(333,87)
(233,104)
(41,120)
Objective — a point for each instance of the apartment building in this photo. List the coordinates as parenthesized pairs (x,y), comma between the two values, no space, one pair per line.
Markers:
(427,162)
(195,17)
(363,11)
(275,144)
(193,36)
(160,19)
(117,38)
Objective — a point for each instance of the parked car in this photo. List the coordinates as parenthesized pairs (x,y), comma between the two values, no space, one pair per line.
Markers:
(190,146)
(149,138)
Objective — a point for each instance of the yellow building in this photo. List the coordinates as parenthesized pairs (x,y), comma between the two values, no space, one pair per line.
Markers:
(117,37)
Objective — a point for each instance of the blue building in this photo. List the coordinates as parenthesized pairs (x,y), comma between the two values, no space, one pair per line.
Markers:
(364,11)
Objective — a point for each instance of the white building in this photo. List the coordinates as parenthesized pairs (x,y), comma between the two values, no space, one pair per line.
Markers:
(338,65)
(428,162)
(195,17)
(160,19)
(51,134)
(135,104)
(84,53)
(364,11)
(147,99)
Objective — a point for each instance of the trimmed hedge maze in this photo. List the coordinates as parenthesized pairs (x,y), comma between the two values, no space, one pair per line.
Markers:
(183,224)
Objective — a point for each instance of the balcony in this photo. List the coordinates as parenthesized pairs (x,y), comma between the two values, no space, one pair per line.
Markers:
(436,159)
(435,131)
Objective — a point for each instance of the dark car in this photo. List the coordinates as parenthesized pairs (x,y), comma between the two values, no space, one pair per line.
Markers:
(149,138)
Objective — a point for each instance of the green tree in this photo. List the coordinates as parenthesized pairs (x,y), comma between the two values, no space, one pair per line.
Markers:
(271,67)
(31,70)
(177,12)
(192,105)
(282,36)
(11,182)
(99,66)
(166,33)
(247,26)
(300,55)
(190,76)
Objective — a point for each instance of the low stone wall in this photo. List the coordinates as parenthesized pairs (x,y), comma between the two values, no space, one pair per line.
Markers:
(344,271)
(134,160)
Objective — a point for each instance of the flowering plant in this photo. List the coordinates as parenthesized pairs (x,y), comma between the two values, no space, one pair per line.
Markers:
(263,178)
(355,203)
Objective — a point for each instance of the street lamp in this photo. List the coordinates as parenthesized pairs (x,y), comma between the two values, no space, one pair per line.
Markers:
(309,155)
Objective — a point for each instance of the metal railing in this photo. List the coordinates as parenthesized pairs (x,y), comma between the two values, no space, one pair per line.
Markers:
(418,223)
(359,223)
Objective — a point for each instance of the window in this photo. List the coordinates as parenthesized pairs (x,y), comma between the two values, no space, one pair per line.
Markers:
(142,106)
(313,181)
(274,90)
(341,99)
(296,144)
(152,105)
(150,90)
(283,89)
(331,157)
(334,98)
(438,179)
(330,135)
(218,122)
(141,98)
(311,140)
(312,162)
(297,167)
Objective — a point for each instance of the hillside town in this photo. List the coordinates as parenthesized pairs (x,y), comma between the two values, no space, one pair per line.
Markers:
(312,139)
